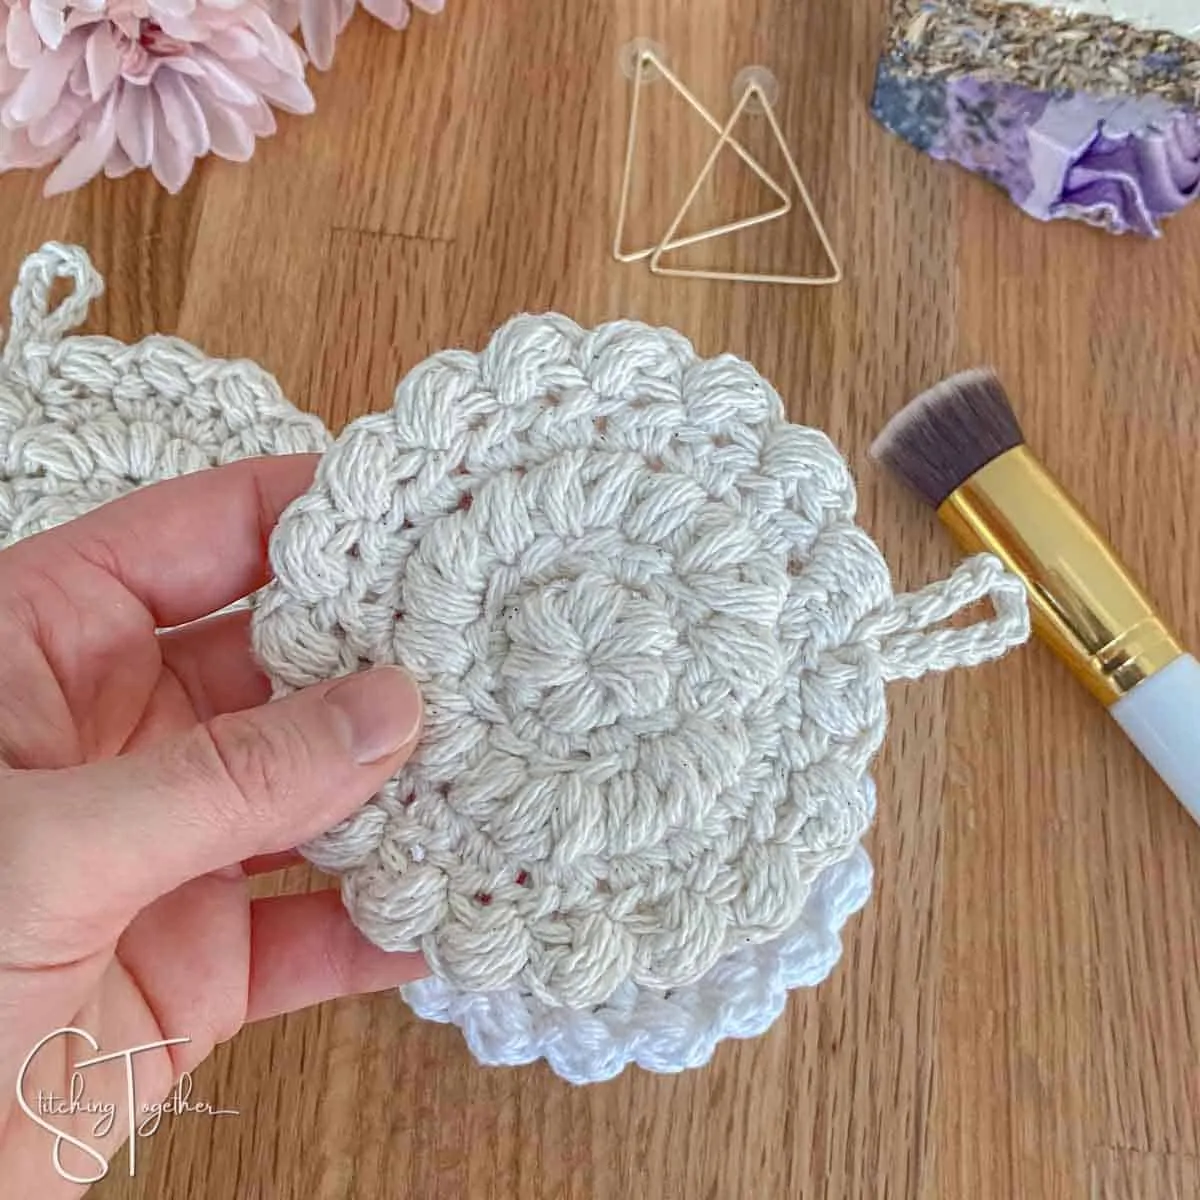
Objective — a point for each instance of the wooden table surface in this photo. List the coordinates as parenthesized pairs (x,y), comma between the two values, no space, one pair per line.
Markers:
(1017,1010)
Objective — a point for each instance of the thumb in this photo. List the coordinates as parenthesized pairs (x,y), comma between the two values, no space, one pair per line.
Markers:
(244,784)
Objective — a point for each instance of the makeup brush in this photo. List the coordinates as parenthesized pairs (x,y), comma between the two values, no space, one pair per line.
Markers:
(959,446)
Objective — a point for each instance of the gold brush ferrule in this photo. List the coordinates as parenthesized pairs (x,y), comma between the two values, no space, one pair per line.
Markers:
(1084,602)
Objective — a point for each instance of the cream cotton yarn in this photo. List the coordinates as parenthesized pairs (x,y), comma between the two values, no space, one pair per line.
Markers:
(653,644)
(86,419)
(652,639)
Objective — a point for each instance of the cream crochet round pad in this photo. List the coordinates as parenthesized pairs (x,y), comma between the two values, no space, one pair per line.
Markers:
(84,420)
(653,644)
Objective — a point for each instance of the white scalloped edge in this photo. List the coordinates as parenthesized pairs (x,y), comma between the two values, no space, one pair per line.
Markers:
(741,997)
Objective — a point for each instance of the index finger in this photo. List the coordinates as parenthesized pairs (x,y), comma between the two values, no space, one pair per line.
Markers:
(183,548)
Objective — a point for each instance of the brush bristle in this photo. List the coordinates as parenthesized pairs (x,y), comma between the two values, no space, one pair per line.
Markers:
(946,434)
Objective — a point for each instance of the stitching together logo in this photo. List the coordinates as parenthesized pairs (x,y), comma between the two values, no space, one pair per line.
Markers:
(75,1103)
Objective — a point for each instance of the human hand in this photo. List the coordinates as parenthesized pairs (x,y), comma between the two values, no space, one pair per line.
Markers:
(143,778)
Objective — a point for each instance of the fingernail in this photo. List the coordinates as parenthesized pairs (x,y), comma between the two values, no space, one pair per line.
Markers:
(379,712)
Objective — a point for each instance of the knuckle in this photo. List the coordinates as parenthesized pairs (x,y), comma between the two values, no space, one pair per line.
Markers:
(222,1016)
(223,1027)
(256,765)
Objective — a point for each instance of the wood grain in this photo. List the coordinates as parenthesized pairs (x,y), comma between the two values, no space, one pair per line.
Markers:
(1017,1011)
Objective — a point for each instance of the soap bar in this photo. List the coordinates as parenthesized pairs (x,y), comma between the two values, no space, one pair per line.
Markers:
(1083,109)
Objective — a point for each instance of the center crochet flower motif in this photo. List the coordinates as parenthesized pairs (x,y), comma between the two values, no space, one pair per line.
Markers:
(634,596)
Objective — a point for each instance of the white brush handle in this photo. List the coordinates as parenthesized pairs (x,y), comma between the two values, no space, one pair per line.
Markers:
(1162,718)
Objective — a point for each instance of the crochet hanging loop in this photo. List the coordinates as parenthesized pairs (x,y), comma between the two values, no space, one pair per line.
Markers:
(913,640)
(36,319)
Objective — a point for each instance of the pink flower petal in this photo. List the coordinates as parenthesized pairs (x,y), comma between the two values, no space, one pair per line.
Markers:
(86,11)
(184,66)
(87,157)
(103,58)
(430,6)
(229,133)
(77,81)
(18,153)
(286,14)
(21,41)
(172,164)
(221,79)
(236,43)
(255,71)
(260,119)
(395,13)
(170,8)
(184,21)
(42,86)
(321,23)
(49,22)
(118,164)
(182,113)
(274,42)
(135,124)
(10,75)
(55,125)
(185,28)
(128,23)
(260,70)
(289,93)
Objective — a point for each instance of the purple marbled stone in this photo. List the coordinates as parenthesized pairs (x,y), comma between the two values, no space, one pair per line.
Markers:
(1123,163)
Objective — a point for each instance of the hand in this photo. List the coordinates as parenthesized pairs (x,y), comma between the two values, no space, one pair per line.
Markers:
(143,778)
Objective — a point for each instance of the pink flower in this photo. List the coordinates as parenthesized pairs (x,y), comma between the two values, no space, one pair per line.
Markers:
(112,86)
(321,21)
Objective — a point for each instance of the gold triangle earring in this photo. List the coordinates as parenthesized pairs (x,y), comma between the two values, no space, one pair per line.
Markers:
(754,92)
(647,64)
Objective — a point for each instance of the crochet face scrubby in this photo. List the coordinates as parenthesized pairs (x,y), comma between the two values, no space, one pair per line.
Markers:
(84,420)
(653,644)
